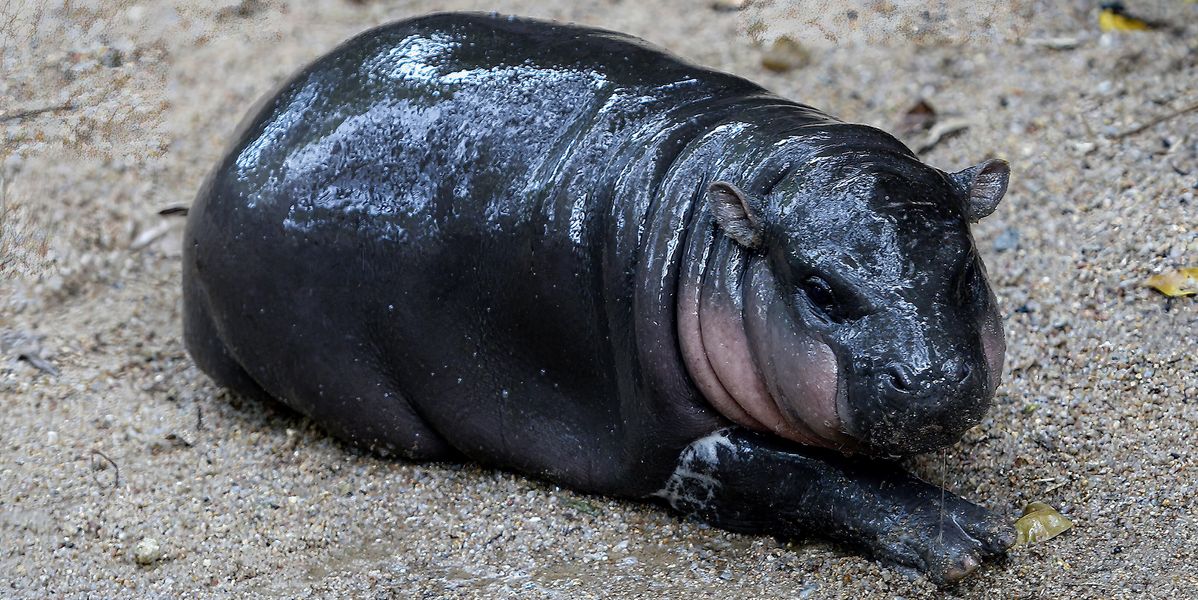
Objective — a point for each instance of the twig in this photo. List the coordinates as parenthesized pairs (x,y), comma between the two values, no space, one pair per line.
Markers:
(1055,43)
(116,482)
(39,363)
(940,132)
(33,112)
(1157,121)
(149,236)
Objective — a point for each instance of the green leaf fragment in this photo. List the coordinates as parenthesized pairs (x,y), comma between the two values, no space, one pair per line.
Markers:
(1040,522)
(581,506)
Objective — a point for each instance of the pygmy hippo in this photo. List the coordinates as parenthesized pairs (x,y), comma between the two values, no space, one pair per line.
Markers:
(563,251)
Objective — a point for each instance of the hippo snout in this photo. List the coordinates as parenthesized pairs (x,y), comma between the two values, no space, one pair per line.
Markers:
(902,409)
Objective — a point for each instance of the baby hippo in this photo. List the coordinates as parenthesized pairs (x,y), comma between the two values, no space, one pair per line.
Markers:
(562,251)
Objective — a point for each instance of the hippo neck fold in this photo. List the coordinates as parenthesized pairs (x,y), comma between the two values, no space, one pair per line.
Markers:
(757,147)
(661,185)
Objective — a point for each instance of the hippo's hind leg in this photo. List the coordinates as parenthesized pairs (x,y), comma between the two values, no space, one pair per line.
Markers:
(345,389)
(745,481)
(208,351)
(351,399)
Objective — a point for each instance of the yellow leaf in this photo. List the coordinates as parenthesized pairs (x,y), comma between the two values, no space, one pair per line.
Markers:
(1115,20)
(1182,282)
(1040,522)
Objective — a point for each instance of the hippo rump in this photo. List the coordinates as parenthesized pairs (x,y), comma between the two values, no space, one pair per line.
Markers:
(562,251)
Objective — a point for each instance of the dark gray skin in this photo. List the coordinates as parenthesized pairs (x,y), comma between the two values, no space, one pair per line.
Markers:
(562,251)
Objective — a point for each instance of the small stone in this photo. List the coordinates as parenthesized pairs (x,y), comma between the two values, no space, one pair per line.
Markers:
(808,590)
(729,5)
(147,551)
(1007,240)
(111,58)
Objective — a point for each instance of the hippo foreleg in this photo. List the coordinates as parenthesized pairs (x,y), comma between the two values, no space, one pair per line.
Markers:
(743,481)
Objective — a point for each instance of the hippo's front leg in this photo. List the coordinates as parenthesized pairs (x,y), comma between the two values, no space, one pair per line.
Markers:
(745,481)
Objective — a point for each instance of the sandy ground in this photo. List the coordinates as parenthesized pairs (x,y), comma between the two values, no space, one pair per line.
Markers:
(123,440)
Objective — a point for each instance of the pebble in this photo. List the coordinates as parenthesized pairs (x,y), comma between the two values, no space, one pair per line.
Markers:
(1007,240)
(147,551)
(729,5)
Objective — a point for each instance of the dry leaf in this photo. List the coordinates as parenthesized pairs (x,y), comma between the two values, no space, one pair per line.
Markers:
(919,117)
(1040,522)
(784,55)
(1182,282)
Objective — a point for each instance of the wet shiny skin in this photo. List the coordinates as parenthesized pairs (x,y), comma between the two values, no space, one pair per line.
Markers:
(467,235)
(493,212)
(413,176)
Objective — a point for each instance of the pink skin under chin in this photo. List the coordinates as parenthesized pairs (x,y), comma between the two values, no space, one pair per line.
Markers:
(720,359)
(697,363)
(727,350)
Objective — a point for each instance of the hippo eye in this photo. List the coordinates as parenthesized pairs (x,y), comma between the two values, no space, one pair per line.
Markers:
(820,293)
(966,284)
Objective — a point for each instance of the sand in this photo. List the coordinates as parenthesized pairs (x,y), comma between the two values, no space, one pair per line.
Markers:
(118,451)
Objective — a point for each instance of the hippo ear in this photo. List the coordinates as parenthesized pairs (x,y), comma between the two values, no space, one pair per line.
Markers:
(984,185)
(734,214)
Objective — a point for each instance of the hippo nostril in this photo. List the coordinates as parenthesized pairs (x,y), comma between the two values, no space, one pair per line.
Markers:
(956,371)
(899,377)
(962,373)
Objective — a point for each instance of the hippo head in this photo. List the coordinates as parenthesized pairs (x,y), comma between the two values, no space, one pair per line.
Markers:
(865,319)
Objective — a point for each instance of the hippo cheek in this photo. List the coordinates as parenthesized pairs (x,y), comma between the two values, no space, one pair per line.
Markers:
(731,358)
(800,371)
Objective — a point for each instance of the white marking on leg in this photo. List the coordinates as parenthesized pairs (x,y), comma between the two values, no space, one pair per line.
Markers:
(693,484)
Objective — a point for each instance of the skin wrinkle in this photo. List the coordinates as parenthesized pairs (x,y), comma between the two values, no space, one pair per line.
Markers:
(726,348)
(693,350)
(725,345)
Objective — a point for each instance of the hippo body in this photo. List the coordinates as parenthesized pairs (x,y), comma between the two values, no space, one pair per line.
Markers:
(562,251)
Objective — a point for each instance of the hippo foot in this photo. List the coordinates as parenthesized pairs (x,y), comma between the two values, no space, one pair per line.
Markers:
(749,482)
(937,533)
